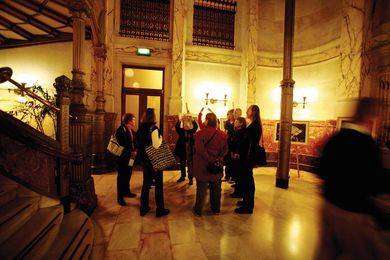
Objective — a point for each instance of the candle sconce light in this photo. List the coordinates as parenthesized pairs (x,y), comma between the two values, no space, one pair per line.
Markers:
(304,103)
(214,100)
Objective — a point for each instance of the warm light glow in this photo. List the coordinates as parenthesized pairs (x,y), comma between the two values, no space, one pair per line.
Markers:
(143,51)
(294,235)
(276,94)
(129,73)
(21,99)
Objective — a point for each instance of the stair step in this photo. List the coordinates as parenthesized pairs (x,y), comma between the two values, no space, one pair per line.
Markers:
(8,192)
(5,180)
(16,213)
(35,237)
(75,238)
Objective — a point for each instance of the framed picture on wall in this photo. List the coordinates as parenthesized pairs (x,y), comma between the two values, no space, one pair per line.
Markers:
(342,123)
(299,132)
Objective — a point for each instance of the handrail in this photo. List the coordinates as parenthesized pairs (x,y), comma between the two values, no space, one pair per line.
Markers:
(5,75)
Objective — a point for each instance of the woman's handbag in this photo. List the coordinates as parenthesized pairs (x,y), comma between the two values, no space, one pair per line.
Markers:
(215,167)
(162,157)
(114,147)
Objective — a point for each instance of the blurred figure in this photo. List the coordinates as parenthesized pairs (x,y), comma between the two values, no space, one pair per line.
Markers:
(126,138)
(144,138)
(356,189)
(185,128)
(210,145)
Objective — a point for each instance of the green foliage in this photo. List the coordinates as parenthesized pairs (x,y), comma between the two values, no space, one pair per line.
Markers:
(34,113)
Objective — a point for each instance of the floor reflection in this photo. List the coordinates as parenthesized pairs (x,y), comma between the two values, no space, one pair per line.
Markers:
(284,225)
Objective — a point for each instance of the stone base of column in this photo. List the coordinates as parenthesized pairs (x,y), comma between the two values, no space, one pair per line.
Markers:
(83,194)
(99,163)
(282,183)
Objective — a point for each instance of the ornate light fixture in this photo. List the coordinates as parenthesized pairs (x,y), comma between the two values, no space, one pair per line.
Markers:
(214,100)
(304,103)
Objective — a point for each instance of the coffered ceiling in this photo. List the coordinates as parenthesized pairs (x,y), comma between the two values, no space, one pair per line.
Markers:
(29,22)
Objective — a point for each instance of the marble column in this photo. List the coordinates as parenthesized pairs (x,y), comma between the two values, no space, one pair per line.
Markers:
(286,106)
(98,147)
(351,48)
(178,54)
(81,183)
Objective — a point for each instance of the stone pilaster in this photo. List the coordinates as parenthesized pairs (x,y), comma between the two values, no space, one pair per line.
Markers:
(98,147)
(252,51)
(351,48)
(178,54)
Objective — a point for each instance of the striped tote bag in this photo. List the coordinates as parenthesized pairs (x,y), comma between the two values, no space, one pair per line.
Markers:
(162,157)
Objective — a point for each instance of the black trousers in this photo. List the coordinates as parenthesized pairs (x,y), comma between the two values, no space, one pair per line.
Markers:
(240,169)
(183,163)
(248,187)
(123,180)
(149,175)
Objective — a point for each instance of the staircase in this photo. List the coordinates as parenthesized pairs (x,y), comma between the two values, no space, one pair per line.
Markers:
(33,226)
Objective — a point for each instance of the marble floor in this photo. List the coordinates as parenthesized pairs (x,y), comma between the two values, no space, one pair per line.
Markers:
(284,225)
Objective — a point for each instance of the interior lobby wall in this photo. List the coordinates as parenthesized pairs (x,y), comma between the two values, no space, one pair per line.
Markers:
(215,79)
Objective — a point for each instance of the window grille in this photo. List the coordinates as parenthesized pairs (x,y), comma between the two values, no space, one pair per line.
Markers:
(145,19)
(214,23)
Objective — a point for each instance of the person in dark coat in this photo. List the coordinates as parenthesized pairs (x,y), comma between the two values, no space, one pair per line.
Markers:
(249,145)
(125,136)
(210,146)
(356,221)
(184,147)
(144,138)
(237,155)
(229,130)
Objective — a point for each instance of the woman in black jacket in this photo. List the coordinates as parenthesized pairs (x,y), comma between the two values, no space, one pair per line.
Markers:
(250,144)
(125,136)
(184,147)
(144,138)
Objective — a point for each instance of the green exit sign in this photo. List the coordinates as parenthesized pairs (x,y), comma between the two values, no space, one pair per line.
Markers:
(144,52)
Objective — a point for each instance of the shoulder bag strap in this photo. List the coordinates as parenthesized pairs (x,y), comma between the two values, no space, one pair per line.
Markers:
(208,141)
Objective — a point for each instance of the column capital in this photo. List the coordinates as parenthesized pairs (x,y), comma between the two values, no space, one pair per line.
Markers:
(78,8)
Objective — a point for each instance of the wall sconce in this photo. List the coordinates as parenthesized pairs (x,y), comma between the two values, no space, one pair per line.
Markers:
(214,100)
(295,103)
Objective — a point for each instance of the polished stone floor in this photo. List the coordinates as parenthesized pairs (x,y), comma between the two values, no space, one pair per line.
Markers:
(284,225)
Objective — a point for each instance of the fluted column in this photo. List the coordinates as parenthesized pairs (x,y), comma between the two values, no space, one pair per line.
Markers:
(178,53)
(286,106)
(98,146)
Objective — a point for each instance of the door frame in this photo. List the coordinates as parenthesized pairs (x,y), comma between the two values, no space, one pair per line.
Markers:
(143,94)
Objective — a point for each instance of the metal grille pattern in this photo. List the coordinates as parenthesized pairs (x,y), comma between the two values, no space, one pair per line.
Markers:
(145,19)
(384,113)
(214,23)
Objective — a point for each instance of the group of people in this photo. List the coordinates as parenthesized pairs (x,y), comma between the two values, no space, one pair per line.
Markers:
(200,144)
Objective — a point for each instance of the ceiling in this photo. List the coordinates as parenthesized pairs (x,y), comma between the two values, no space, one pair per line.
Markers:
(29,22)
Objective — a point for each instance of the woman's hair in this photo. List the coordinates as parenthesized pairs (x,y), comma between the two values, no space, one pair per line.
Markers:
(149,116)
(255,113)
(126,118)
(211,119)
(242,121)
